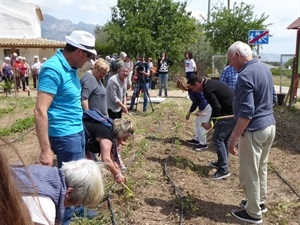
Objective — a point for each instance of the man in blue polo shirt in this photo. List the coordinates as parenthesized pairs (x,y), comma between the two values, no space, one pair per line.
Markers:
(58,111)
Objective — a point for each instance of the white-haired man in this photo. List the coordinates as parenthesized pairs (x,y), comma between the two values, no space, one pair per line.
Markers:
(58,111)
(254,132)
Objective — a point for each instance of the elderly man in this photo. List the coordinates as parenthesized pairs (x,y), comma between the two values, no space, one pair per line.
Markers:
(254,131)
(58,111)
(116,93)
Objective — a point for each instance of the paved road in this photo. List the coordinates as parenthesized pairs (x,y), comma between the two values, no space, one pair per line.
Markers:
(285,90)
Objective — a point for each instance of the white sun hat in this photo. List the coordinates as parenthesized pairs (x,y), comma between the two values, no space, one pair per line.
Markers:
(83,40)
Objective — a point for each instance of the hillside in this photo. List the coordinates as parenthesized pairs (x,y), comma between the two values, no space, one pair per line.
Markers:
(56,29)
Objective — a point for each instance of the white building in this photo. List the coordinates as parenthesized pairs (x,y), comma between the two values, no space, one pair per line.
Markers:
(20,31)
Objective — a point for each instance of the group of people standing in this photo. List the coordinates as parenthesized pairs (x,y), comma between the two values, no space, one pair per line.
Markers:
(67,111)
(17,68)
(242,114)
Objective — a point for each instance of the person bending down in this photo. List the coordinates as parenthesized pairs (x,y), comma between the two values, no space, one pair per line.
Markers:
(110,134)
(46,190)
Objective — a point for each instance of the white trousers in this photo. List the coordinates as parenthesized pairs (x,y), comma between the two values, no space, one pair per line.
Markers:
(200,132)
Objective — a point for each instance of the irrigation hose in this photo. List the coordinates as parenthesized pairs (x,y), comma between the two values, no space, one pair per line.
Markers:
(176,188)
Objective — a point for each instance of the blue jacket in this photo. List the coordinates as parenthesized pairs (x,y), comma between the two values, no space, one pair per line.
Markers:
(198,100)
(96,117)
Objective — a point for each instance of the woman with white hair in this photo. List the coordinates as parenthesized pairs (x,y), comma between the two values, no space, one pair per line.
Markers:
(35,69)
(6,70)
(46,190)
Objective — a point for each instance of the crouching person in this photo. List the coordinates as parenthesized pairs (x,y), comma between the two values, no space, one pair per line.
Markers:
(109,135)
(46,190)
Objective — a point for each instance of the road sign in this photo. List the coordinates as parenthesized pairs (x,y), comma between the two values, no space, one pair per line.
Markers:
(258,37)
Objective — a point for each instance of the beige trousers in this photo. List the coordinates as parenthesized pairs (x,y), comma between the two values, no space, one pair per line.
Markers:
(254,150)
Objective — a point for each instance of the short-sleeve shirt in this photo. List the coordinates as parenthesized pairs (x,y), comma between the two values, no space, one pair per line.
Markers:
(94,91)
(58,78)
(189,65)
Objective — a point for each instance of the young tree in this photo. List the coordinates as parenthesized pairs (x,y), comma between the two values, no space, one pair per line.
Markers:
(150,26)
(230,25)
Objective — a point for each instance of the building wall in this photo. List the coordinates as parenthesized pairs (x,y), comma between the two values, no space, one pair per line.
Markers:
(19,20)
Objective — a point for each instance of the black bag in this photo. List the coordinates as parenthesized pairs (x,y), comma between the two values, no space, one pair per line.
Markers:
(92,145)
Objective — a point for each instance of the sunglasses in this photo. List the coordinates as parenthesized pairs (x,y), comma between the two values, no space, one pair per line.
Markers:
(88,54)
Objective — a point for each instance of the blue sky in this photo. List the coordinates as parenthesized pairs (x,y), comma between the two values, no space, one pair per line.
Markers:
(281,14)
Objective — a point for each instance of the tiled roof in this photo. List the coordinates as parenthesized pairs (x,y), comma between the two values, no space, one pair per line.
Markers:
(295,24)
(31,43)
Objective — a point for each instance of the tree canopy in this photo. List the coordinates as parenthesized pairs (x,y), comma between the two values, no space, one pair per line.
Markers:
(230,25)
(151,26)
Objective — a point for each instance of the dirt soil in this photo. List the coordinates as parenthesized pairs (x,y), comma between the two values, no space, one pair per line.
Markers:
(170,181)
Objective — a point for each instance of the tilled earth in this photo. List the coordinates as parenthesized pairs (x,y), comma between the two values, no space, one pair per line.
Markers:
(169,180)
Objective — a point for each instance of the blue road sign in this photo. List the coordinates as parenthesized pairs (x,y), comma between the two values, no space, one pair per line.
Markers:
(258,37)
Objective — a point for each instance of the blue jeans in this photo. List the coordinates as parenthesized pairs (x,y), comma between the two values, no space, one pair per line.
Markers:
(68,148)
(189,74)
(136,92)
(163,79)
(223,129)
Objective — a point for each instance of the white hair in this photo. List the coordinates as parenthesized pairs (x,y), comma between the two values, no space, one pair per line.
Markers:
(241,47)
(123,54)
(86,179)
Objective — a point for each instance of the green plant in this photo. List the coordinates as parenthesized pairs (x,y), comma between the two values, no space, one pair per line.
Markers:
(18,126)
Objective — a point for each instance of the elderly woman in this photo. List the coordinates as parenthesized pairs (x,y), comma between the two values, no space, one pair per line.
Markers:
(42,193)
(93,92)
(35,69)
(110,134)
(77,182)
(6,70)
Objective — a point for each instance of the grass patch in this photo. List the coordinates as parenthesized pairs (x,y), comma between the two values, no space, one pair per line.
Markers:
(18,126)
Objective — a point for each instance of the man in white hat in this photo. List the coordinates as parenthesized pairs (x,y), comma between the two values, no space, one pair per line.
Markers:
(58,111)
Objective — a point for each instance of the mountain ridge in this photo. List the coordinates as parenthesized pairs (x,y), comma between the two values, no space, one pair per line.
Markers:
(56,29)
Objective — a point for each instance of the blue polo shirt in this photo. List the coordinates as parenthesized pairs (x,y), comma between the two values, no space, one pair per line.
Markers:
(58,78)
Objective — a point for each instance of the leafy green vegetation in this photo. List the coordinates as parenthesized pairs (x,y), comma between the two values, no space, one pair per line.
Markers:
(229,25)
(18,126)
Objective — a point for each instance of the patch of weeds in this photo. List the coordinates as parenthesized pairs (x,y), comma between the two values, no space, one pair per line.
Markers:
(26,103)
(202,171)
(18,126)
(189,205)
(5,111)
(127,192)
(293,108)
(177,142)
(99,220)
(271,167)
(149,179)
(280,211)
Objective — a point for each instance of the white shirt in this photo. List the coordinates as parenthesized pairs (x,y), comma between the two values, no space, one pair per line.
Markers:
(190,65)
(42,209)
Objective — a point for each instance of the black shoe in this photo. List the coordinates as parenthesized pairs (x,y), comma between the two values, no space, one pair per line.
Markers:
(200,147)
(220,175)
(193,142)
(214,165)
(262,206)
(243,216)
